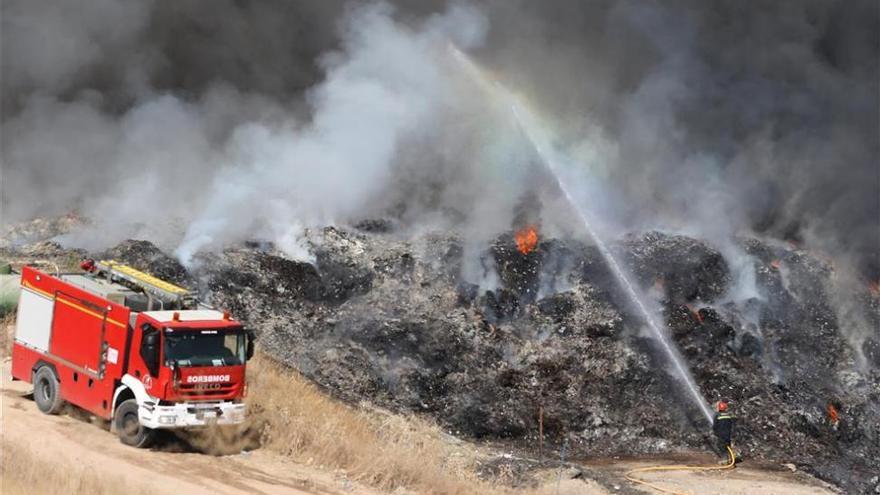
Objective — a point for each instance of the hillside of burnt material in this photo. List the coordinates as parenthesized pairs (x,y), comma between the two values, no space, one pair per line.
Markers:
(391,321)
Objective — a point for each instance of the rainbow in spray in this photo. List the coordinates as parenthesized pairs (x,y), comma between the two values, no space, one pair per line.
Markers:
(551,157)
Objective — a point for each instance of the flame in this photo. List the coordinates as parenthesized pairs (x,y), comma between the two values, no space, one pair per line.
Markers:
(526,239)
(776,264)
(696,312)
(833,415)
(874,287)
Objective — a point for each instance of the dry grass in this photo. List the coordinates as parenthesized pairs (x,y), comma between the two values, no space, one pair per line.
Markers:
(24,472)
(290,416)
(386,451)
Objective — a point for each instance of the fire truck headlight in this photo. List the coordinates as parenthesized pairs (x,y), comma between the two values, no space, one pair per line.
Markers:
(166,420)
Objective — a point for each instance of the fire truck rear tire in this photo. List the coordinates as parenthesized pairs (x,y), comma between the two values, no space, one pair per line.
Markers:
(47,391)
(131,431)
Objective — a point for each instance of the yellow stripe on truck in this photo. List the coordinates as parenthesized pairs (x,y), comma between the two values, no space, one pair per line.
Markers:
(74,305)
(41,291)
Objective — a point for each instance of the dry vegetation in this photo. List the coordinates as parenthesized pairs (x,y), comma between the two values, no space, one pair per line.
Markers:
(24,472)
(290,416)
(386,451)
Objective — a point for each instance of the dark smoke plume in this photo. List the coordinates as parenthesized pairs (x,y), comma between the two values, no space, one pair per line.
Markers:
(745,115)
(202,123)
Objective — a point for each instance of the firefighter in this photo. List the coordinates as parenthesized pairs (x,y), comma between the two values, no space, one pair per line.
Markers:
(722,426)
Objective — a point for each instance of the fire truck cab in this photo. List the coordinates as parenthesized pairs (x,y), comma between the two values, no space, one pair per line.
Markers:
(129,348)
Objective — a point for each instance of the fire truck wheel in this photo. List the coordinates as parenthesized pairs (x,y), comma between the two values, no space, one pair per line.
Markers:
(129,428)
(46,391)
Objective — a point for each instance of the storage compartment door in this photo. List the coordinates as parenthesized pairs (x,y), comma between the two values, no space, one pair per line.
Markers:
(34,321)
(77,330)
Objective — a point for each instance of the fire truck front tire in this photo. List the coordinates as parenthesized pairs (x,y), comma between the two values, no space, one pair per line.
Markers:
(131,431)
(47,391)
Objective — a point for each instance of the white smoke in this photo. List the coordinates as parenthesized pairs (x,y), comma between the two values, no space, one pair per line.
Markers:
(197,127)
(386,84)
(199,174)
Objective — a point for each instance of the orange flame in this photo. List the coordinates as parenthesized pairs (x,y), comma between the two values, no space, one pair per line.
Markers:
(696,312)
(526,239)
(776,264)
(833,415)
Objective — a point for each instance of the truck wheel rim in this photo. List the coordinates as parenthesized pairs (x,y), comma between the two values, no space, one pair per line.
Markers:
(130,424)
(45,391)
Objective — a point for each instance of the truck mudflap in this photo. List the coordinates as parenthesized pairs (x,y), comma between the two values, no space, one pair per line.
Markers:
(191,414)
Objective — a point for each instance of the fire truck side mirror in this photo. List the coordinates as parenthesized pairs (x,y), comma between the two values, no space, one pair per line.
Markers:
(250,345)
(150,349)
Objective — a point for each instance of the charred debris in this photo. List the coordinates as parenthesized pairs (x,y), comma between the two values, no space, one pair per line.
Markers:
(390,321)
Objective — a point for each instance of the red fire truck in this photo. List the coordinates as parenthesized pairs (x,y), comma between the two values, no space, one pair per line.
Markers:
(129,348)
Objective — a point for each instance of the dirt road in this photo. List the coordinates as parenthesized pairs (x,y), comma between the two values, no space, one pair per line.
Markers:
(746,479)
(71,441)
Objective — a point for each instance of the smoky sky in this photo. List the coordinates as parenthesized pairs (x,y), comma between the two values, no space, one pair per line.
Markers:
(714,117)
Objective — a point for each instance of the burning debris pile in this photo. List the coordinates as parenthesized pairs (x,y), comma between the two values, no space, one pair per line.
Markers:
(400,110)
(552,347)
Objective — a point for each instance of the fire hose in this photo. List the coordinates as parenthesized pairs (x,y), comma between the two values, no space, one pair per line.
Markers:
(679,467)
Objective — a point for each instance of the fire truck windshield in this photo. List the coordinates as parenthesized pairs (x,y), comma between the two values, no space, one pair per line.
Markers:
(205,347)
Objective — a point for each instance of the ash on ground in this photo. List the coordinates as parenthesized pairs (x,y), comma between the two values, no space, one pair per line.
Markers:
(390,321)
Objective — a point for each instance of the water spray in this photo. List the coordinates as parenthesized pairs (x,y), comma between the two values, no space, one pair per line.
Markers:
(527,125)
